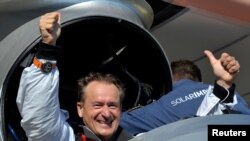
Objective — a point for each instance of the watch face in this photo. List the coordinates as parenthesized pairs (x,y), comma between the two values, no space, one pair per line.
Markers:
(47,67)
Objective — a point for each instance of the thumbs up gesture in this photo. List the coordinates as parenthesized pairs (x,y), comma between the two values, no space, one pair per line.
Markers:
(225,68)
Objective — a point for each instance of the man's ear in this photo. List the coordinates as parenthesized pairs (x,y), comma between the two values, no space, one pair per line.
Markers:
(79,106)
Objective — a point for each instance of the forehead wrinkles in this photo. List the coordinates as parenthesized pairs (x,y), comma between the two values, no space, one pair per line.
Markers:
(101,89)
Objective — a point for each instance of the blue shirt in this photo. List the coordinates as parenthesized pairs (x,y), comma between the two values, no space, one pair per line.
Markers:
(182,102)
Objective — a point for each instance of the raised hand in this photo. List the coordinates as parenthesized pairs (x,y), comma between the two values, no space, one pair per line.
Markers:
(225,68)
(50,27)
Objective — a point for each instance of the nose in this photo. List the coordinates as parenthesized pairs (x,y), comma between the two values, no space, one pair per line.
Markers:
(106,111)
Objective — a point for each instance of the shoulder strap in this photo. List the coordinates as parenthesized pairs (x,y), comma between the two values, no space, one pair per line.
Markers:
(81,137)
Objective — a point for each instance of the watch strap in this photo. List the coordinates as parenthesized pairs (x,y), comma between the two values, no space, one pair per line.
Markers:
(45,67)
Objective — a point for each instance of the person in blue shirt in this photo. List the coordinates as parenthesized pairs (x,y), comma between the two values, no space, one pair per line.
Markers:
(190,97)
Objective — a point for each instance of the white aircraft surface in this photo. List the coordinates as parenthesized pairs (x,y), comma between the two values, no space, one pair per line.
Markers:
(132,39)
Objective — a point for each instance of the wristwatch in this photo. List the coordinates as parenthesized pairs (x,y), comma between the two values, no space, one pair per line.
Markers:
(46,67)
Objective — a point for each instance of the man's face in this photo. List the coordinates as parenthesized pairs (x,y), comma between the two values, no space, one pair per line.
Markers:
(101,109)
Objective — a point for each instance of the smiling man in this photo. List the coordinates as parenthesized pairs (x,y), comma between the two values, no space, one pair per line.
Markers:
(100,98)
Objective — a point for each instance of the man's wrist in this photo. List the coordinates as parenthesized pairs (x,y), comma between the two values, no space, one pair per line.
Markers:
(224,84)
(49,42)
(224,94)
(48,52)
